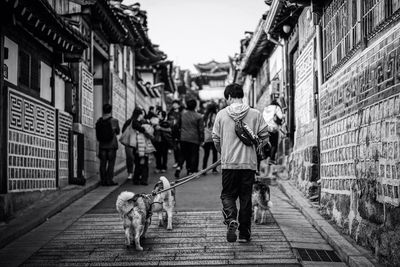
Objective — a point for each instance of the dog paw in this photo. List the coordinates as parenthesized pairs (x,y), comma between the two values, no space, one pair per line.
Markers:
(169,228)
(139,248)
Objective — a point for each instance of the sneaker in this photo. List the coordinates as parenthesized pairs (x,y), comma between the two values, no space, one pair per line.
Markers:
(157,171)
(163,171)
(175,165)
(130,175)
(243,239)
(231,233)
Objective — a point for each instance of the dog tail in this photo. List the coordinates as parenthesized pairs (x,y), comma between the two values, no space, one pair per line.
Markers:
(123,205)
(165,182)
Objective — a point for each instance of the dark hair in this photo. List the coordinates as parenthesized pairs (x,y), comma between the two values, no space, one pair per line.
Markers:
(234,90)
(191,104)
(211,110)
(151,108)
(107,108)
(275,102)
(176,101)
(136,113)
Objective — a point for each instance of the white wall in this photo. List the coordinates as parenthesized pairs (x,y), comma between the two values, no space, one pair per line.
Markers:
(59,93)
(45,75)
(12,61)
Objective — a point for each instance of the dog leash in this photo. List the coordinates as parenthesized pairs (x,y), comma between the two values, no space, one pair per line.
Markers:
(186,179)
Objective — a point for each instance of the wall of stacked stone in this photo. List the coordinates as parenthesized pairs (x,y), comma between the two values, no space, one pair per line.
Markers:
(304,160)
(360,146)
(304,170)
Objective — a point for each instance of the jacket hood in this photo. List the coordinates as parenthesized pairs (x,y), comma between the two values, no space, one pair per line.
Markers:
(237,111)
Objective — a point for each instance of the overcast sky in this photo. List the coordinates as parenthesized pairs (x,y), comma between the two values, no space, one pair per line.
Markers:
(197,31)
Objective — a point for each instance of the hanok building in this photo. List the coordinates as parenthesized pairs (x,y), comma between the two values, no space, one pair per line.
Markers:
(37,100)
(212,78)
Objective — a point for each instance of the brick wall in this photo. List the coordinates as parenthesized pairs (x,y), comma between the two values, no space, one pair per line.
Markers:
(360,146)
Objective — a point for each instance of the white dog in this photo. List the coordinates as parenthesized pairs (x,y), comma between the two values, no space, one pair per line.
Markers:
(164,201)
(135,211)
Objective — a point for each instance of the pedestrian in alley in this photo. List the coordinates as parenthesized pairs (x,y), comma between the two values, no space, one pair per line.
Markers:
(238,161)
(144,149)
(191,136)
(174,118)
(107,129)
(162,142)
(209,119)
(132,124)
(273,116)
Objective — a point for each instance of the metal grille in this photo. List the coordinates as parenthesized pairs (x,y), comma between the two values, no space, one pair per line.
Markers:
(317,255)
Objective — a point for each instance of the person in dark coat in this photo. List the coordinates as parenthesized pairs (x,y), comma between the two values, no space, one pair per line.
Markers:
(108,149)
(174,118)
(192,135)
(209,118)
(162,142)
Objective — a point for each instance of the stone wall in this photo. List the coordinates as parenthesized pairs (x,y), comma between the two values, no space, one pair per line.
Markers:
(360,146)
(304,160)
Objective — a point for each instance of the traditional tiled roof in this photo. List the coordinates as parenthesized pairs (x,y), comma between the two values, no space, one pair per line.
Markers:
(42,21)
(212,66)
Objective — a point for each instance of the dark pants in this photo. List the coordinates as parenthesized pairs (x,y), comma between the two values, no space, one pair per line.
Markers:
(107,162)
(130,157)
(237,183)
(177,151)
(161,155)
(141,173)
(190,154)
(207,147)
(274,139)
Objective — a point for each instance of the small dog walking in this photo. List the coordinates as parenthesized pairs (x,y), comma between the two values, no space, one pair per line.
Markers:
(261,201)
(164,201)
(135,211)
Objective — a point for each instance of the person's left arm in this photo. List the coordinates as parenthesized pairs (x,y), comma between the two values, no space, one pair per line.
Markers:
(262,127)
(200,127)
(117,130)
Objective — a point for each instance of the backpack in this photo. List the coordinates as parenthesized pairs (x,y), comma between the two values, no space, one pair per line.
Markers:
(276,119)
(104,130)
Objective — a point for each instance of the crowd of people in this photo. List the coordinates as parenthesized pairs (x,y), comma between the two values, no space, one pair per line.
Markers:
(156,133)
(237,133)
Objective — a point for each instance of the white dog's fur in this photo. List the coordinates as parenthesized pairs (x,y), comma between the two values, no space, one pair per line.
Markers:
(164,202)
(133,210)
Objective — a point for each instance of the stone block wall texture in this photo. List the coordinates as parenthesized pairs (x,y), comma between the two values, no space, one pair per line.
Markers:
(360,146)
(304,160)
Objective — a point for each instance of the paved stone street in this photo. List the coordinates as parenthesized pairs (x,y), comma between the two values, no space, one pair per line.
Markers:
(90,233)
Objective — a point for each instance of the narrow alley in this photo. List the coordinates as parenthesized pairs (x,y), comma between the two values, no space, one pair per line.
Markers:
(89,233)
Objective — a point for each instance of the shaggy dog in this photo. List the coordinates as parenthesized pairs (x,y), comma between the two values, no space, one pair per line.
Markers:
(261,201)
(164,201)
(135,211)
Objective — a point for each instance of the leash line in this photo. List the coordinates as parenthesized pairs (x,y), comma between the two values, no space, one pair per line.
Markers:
(189,178)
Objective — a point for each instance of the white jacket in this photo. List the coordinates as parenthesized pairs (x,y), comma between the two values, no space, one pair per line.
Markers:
(268,115)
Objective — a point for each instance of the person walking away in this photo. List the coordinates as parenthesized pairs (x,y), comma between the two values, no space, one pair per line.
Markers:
(162,142)
(130,152)
(209,118)
(192,135)
(238,161)
(273,116)
(144,149)
(174,117)
(107,129)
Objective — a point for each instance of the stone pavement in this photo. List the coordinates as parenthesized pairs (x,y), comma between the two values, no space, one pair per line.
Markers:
(89,233)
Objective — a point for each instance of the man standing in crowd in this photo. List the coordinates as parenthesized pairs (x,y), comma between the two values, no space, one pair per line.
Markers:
(191,136)
(107,129)
(174,117)
(238,161)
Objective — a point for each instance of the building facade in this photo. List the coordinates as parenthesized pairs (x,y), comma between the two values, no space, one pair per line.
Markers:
(61,62)
(339,86)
